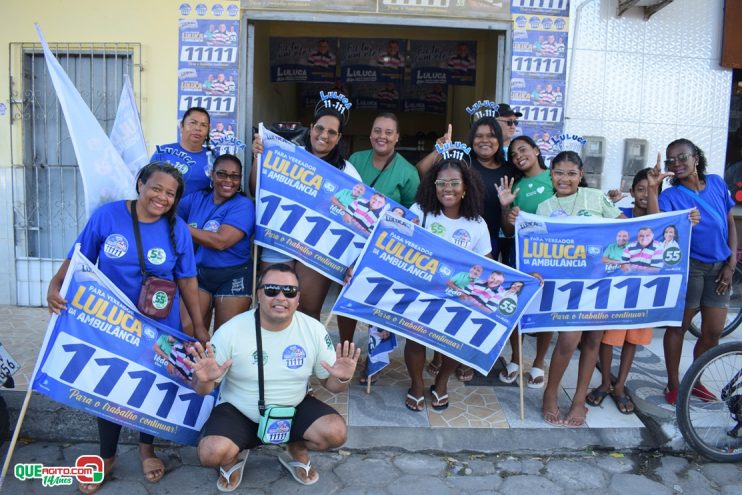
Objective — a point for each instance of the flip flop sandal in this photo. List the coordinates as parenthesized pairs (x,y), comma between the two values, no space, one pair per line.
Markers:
(291,465)
(227,475)
(511,370)
(438,399)
(150,465)
(624,400)
(554,418)
(534,375)
(578,422)
(416,400)
(671,396)
(433,368)
(596,397)
(464,374)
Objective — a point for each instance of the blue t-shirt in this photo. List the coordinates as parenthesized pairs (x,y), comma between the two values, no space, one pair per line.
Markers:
(108,238)
(709,242)
(195,167)
(628,212)
(199,211)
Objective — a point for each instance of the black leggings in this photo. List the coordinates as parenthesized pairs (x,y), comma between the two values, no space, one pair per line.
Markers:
(108,433)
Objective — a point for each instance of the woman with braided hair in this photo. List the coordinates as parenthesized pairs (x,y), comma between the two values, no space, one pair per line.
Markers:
(108,239)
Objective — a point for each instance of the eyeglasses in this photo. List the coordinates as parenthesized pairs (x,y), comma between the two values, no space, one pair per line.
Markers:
(196,123)
(511,123)
(272,290)
(223,175)
(442,184)
(682,157)
(321,129)
(572,174)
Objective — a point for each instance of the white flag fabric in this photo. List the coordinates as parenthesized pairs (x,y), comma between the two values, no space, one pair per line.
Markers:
(127,135)
(105,176)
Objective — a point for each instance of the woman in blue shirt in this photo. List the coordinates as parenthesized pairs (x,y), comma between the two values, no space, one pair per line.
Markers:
(221,221)
(108,239)
(191,155)
(713,251)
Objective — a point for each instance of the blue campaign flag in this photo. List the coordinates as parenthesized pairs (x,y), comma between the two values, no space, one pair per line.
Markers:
(413,283)
(381,343)
(101,356)
(313,212)
(602,274)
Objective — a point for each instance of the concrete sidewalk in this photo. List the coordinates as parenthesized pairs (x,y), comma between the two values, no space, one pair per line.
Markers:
(484,415)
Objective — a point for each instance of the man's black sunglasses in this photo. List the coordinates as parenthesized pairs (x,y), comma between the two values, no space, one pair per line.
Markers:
(272,290)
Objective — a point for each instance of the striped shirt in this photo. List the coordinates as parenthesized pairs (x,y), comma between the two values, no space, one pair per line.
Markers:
(643,257)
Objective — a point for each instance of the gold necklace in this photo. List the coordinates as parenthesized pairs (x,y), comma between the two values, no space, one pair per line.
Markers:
(574,203)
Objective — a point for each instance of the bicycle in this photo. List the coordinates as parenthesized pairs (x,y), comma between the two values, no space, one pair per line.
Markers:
(709,408)
(734,315)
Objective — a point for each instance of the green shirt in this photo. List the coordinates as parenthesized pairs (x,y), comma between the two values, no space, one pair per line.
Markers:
(586,202)
(462,279)
(398,182)
(614,251)
(345,197)
(533,191)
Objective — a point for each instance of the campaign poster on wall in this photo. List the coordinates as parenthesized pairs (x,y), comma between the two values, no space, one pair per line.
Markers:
(602,274)
(103,357)
(208,63)
(303,59)
(416,284)
(443,62)
(431,98)
(539,63)
(372,60)
(376,96)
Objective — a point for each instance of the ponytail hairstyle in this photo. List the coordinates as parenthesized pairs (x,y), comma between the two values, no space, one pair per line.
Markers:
(144,175)
(517,174)
(334,157)
(572,157)
(700,168)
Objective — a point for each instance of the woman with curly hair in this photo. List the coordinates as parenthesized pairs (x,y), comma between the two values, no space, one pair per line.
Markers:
(713,249)
(449,204)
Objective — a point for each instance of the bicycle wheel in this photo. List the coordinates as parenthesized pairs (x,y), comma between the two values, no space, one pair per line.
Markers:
(734,315)
(712,424)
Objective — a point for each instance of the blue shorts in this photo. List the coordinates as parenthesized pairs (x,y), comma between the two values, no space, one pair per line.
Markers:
(226,281)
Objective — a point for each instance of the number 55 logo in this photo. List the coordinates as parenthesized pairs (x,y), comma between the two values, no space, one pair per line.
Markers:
(95,463)
(672,256)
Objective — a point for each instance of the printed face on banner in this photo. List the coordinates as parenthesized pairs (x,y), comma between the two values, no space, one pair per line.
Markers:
(414,283)
(636,278)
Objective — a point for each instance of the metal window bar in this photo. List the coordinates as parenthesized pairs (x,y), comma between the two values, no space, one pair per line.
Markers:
(47,191)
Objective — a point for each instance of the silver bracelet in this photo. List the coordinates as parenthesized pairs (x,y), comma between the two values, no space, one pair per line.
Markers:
(343,381)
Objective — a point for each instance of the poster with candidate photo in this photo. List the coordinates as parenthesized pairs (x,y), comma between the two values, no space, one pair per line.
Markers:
(303,59)
(443,62)
(372,60)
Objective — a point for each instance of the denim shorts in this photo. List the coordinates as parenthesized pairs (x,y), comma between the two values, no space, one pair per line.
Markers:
(702,286)
(226,281)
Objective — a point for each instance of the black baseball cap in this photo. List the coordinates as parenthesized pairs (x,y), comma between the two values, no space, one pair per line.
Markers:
(504,110)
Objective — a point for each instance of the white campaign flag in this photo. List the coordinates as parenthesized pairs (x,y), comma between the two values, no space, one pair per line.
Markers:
(126,134)
(105,176)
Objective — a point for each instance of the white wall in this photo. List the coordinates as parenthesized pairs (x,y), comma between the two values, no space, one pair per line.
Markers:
(657,80)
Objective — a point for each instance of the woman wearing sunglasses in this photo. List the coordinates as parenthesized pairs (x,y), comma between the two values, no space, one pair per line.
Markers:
(221,221)
(713,251)
(449,204)
(191,155)
(322,141)
(108,239)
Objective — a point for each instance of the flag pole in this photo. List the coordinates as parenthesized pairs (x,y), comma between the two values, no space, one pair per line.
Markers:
(16,434)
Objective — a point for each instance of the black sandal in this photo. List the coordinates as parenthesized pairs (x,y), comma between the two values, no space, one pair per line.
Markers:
(596,397)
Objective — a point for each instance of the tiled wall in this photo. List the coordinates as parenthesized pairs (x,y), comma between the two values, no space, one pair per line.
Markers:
(657,80)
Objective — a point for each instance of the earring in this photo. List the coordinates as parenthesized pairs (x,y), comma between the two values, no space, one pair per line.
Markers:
(211,184)
(463,195)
